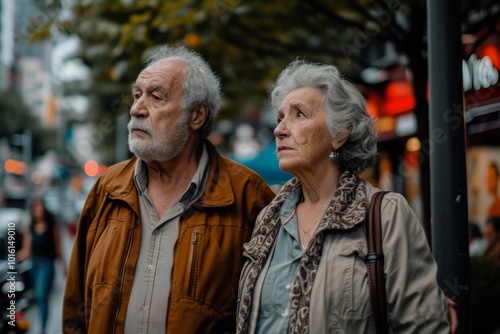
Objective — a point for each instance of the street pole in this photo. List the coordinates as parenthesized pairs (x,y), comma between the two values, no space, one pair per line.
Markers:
(27,140)
(447,163)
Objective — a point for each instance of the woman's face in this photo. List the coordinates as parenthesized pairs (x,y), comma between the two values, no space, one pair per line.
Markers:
(38,210)
(302,138)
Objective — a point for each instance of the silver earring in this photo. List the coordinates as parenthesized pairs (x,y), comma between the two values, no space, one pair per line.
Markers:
(335,157)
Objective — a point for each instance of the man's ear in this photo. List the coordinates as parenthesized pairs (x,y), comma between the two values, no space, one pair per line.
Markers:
(198,116)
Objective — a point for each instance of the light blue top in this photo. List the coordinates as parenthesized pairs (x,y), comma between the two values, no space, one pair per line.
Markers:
(477,247)
(274,307)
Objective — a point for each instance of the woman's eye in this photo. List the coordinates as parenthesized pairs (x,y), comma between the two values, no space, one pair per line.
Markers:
(300,114)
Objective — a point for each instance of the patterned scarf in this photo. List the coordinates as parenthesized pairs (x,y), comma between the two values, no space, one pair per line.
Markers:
(346,210)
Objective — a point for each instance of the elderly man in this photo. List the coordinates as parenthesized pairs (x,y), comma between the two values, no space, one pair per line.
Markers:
(159,242)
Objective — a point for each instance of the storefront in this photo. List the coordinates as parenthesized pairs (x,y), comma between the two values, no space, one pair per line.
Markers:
(393,104)
(482,100)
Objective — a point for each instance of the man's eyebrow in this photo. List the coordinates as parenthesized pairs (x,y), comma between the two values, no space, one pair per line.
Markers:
(152,88)
(158,87)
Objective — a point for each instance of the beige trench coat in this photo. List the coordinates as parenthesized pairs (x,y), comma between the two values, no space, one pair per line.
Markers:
(340,301)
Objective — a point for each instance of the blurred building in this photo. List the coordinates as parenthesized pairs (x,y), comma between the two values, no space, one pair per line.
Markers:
(40,72)
(6,41)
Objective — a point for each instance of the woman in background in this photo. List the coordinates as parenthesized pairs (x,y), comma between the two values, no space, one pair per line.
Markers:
(42,244)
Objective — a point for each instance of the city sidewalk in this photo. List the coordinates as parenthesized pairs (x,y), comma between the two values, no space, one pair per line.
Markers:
(54,325)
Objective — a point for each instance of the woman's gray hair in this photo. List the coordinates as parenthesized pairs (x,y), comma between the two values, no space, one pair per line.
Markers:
(202,85)
(345,107)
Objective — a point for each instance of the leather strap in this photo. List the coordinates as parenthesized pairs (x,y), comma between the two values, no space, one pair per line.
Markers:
(375,264)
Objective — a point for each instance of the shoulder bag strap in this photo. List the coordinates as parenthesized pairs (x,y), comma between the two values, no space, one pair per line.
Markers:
(375,264)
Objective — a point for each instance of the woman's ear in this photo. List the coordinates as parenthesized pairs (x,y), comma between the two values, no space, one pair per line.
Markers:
(339,142)
(198,116)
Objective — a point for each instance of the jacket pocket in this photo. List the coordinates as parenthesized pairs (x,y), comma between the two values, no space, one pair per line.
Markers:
(207,266)
(107,253)
(356,290)
(106,259)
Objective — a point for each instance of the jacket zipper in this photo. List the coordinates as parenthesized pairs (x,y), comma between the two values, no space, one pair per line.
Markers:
(191,287)
(122,274)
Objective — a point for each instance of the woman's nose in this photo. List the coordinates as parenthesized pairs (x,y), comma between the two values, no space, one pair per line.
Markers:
(280,130)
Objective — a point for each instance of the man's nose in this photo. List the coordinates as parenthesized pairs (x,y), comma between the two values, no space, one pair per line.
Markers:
(138,108)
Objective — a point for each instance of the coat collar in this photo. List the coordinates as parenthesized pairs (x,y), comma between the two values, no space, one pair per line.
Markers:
(346,210)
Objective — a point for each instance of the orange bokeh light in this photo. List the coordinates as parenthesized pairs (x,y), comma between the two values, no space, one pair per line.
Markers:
(91,168)
(102,169)
(15,167)
(492,52)
(398,98)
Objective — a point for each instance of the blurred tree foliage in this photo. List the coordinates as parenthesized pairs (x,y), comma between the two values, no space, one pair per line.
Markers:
(15,117)
(246,42)
(249,42)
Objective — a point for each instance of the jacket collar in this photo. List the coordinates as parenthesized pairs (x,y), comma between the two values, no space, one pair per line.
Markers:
(218,190)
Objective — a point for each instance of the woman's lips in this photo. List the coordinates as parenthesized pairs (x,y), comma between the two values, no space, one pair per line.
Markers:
(283,148)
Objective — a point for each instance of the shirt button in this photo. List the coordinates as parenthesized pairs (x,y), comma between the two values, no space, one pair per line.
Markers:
(155,232)
(150,267)
(143,307)
(285,313)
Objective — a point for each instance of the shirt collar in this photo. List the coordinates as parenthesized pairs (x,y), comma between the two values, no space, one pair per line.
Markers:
(195,186)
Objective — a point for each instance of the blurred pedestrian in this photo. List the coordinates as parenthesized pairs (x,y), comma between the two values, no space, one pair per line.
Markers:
(476,240)
(492,236)
(42,243)
(159,245)
(493,179)
(305,269)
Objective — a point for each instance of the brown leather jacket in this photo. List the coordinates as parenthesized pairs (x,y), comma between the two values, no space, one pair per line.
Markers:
(207,259)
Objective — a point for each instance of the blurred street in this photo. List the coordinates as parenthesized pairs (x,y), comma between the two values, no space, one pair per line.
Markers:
(56,297)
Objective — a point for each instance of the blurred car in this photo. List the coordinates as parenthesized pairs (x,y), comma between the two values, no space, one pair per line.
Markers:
(13,221)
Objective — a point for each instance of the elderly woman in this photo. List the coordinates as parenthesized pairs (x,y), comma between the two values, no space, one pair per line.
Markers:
(305,268)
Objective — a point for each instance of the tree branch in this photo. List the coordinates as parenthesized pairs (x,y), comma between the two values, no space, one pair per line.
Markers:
(395,32)
(270,44)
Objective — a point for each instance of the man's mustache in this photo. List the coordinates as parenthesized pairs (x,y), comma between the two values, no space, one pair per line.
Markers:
(139,125)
